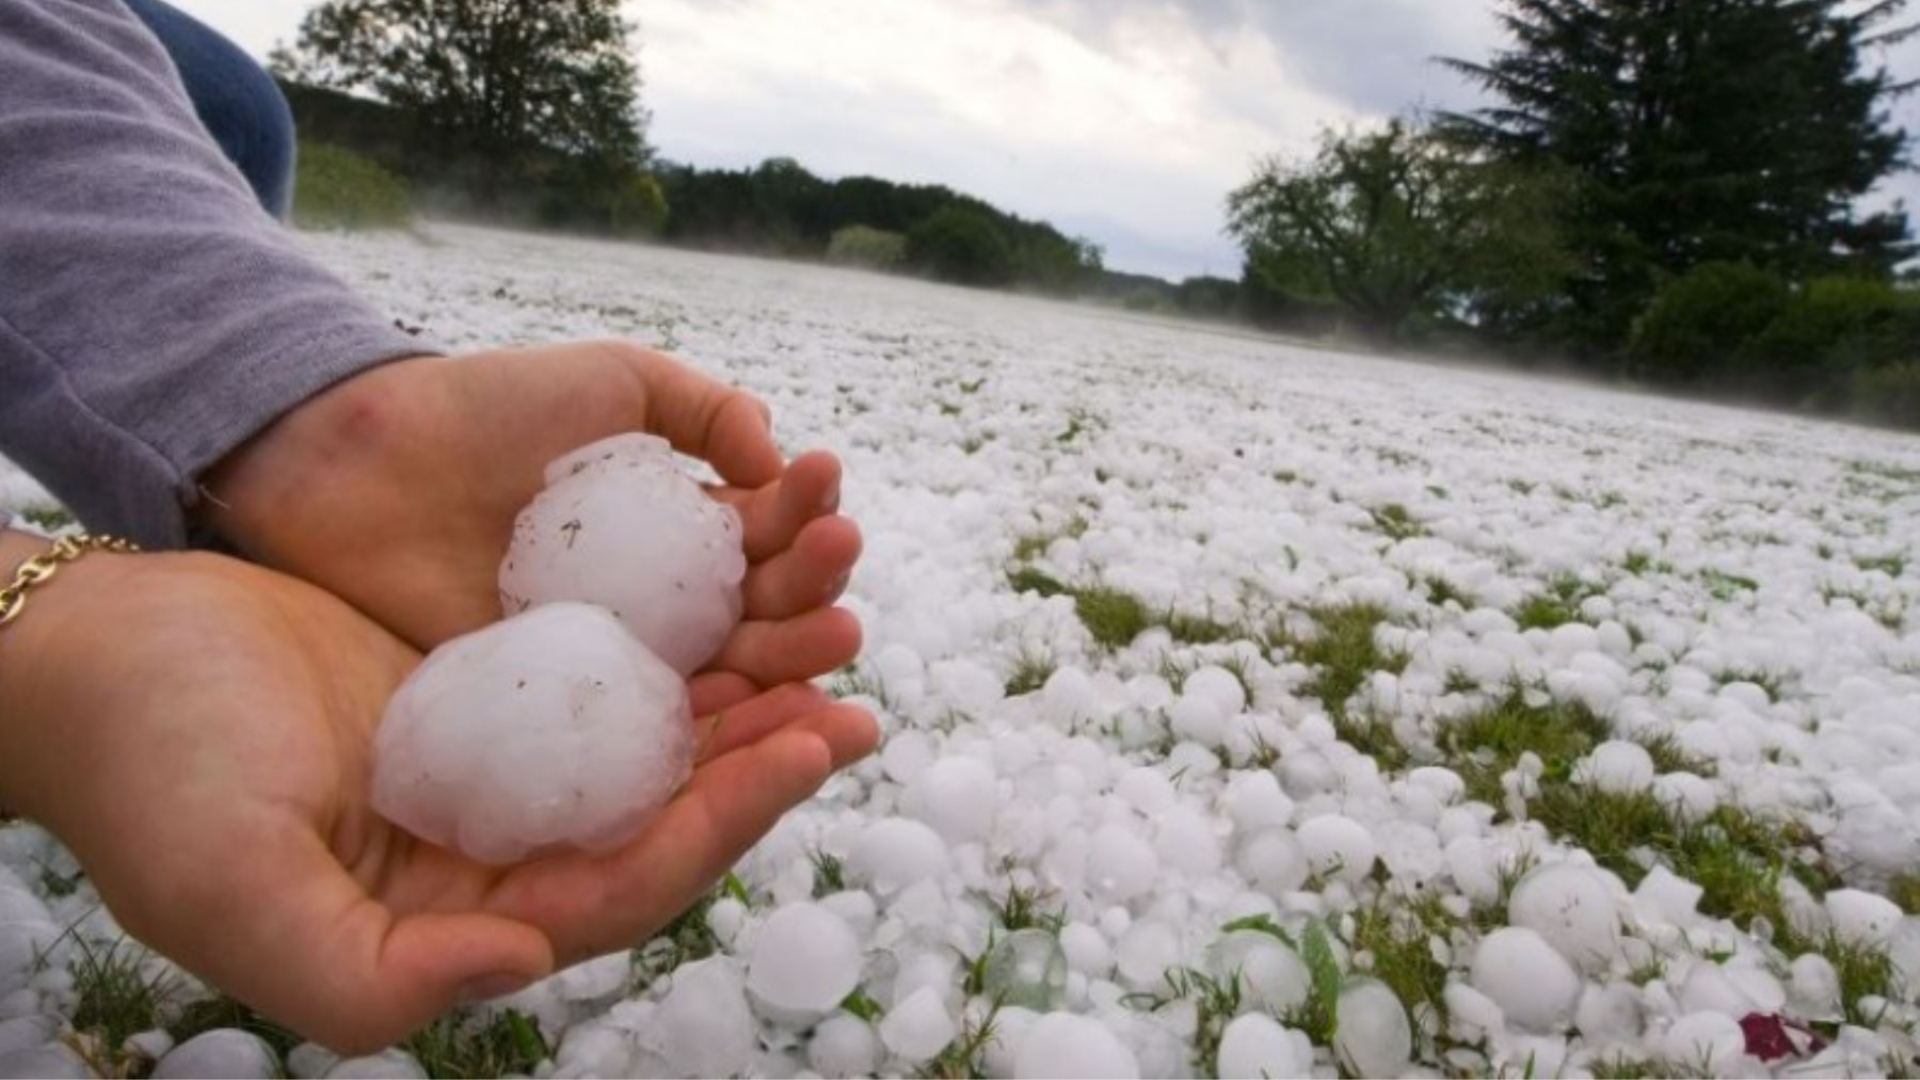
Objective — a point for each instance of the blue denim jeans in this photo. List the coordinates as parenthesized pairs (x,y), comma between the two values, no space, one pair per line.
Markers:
(237,100)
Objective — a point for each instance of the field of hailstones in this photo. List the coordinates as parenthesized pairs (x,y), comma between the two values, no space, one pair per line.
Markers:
(1249,710)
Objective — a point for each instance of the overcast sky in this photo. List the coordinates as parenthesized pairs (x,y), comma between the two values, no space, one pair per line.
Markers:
(1124,120)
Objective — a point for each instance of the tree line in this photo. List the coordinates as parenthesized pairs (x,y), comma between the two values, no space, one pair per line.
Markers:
(529,110)
(1668,190)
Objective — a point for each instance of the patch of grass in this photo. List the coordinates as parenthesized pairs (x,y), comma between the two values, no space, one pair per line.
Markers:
(213,1014)
(966,1056)
(1735,857)
(1398,936)
(52,881)
(1488,743)
(1669,757)
(1905,891)
(1773,683)
(1197,629)
(1029,909)
(1176,672)
(1864,972)
(1637,563)
(829,876)
(862,1006)
(684,940)
(1556,607)
(1374,737)
(1027,579)
(48,516)
(1030,672)
(117,997)
(1621,1067)
(1891,614)
(338,189)
(1890,565)
(1285,476)
(1114,617)
(1237,666)
(1885,471)
(1216,1002)
(1345,652)
(1396,524)
(1724,587)
(1543,613)
(1440,592)
(1079,422)
(850,681)
(465,1044)
(1030,546)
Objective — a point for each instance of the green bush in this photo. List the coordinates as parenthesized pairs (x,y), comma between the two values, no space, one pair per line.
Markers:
(961,245)
(1835,327)
(874,249)
(1145,299)
(1888,394)
(637,206)
(1705,323)
(336,188)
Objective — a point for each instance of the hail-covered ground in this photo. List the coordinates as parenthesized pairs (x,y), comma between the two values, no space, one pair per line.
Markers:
(1249,709)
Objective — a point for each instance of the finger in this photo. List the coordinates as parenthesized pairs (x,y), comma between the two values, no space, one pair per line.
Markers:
(811,574)
(715,690)
(743,725)
(772,516)
(723,426)
(345,972)
(791,650)
(595,905)
(849,731)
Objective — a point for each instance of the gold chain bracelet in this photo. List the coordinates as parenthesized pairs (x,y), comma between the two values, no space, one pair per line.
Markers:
(41,568)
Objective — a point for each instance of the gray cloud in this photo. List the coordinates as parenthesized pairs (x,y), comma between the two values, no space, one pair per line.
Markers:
(1377,56)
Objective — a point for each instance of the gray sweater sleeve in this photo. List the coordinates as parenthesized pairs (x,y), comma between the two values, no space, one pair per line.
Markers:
(152,316)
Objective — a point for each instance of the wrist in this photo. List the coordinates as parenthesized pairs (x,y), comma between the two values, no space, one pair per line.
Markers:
(332,442)
(41,654)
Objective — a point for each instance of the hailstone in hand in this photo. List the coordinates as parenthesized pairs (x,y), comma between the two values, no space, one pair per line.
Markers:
(622,526)
(551,731)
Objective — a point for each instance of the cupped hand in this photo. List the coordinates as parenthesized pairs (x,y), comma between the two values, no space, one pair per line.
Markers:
(397,489)
(198,731)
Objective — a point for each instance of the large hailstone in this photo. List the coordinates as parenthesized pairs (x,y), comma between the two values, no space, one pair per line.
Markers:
(550,731)
(620,525)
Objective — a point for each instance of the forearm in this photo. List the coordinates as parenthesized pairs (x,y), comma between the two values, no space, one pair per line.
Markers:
(152,316)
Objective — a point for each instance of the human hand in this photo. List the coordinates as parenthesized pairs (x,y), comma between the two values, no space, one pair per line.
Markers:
(397,490)
(198,731)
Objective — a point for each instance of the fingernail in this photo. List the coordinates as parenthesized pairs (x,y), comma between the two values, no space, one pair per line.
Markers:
(488,987)
(830,499)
